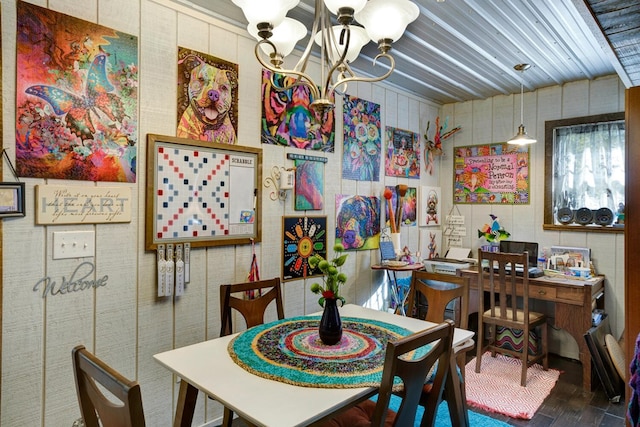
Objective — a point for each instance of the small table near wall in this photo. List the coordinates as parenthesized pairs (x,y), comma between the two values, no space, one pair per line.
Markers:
(398,297)
(573,299)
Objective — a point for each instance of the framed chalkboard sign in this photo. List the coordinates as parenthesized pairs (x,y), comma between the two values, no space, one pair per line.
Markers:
(201,192)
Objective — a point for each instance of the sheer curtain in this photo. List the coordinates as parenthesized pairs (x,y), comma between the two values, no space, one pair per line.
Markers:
(588,166)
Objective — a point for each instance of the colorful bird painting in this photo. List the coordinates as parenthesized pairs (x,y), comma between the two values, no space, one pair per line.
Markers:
(493,232)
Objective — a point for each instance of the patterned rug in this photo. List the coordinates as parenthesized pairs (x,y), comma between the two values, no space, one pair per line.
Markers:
(290,351)
(497,387)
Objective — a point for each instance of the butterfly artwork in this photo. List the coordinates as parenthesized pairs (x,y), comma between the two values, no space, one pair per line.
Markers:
(98,97)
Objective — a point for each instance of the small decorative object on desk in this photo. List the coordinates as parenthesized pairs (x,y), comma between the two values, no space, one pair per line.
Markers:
(493,233)
(330,329)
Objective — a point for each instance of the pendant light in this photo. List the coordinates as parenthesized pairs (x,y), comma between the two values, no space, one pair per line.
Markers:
(521,138)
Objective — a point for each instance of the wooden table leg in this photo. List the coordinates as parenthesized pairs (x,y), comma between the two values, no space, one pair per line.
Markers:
(187,398)
(576,320)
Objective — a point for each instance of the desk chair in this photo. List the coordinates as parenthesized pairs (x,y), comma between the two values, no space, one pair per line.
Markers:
(439,290)
(253,311)
(504,309)
(412,373)
(89,371)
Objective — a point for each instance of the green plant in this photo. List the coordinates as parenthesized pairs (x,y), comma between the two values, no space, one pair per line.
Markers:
(332,276)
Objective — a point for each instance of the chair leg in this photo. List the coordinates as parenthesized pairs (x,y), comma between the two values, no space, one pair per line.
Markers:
(479,343)
(525,360)
(455,395)
(545,349)
(227,417)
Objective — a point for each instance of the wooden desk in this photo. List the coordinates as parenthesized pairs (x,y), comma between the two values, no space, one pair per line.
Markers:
(207,367)
(574,301)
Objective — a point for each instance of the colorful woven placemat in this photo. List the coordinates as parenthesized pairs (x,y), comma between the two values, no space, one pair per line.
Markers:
(290,351)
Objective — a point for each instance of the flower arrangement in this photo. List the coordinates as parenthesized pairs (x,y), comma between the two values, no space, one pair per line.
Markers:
(494,232)
(332,276)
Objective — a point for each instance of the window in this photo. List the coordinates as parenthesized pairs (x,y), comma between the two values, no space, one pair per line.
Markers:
(584,173)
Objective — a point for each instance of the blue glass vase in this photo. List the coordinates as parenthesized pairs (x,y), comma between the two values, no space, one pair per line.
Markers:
(330,329)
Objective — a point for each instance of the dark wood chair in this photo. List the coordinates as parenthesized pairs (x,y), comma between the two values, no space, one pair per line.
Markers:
(499,277)
(252,310)
(96,408)
(439,290)
(412,373)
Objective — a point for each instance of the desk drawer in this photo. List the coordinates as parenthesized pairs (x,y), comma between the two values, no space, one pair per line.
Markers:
(575,294)
(542,292)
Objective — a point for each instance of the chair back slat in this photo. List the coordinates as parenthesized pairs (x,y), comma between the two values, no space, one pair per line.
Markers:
(96,408)
(252,310)
(439,290)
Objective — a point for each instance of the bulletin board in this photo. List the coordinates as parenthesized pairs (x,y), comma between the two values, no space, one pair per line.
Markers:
(200,192)
(491,174)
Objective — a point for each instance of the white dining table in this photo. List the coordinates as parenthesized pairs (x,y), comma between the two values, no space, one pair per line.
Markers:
(208,367)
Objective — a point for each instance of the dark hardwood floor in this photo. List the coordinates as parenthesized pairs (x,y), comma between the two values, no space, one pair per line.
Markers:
(567,405)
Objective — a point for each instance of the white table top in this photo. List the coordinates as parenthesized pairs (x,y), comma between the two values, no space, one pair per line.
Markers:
(208,367)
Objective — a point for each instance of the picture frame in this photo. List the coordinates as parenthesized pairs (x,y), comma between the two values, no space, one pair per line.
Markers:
(202,193)
(12,199)
(302,237)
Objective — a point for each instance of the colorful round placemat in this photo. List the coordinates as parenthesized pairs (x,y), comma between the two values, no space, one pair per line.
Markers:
(290,351)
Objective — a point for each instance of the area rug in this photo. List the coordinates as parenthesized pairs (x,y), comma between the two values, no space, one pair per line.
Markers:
(497,387)
(444,420)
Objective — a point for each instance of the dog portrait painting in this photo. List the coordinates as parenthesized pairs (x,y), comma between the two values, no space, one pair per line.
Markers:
(207,98)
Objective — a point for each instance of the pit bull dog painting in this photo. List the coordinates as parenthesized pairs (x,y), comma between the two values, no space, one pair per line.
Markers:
(207,98)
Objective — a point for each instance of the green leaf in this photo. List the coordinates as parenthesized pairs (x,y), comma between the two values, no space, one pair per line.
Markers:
(341,260)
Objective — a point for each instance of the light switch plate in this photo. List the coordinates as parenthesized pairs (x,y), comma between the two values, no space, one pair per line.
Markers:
(74,244)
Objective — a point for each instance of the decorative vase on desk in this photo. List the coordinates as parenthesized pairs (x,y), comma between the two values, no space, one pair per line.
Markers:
(330,329)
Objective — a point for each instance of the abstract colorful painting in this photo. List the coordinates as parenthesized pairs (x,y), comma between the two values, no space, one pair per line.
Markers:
(309,185)
(491,174)
(430,206)
(287,119)
(76,98)
(403,153)
(362,142)
(358,222)
(302,237)
(409,205)
(207,97)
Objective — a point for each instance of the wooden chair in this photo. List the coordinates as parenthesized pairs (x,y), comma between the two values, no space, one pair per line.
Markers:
(439,290)
(89,371)
(505,310)
(253,311)
(412,373)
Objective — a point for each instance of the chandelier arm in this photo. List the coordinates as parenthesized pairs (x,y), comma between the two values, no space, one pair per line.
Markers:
(302,78)
(392,66)
(341,64)
(304,59)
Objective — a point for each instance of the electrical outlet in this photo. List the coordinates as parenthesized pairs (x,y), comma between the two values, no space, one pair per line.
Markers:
(73,244)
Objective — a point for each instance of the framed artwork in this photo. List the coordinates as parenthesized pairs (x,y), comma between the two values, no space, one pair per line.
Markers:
(207,97)
(358,222)
(76,98)
(201,192)
(431,243)
(309,188)
(491,174)
(11,199)
(430,206)
(362,142)
(287,119)
(409,204)
(302,237)
(403,153)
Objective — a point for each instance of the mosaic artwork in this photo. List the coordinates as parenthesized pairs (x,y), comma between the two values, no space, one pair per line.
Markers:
(76,98)
(403,153)
(358,222)
(207,97)
(362,142)
(302,237)
(287,119)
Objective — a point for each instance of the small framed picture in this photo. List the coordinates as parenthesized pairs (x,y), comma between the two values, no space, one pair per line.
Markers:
(11,199)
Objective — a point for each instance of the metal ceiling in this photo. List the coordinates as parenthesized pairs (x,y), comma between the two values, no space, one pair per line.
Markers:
(460,50)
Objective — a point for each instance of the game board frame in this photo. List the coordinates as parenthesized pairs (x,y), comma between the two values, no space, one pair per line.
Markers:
(249,233)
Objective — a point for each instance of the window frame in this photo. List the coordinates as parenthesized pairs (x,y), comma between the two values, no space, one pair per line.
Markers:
(549,130)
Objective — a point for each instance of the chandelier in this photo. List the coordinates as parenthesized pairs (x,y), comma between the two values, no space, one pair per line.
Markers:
(383,21)
(521,138)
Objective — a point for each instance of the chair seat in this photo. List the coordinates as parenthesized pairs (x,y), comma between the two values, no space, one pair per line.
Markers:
(533,316)
(359,416)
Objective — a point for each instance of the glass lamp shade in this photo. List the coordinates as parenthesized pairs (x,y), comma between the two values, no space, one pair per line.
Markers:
(285,36)
(387,19)
(334,5)
(271,11)
(358,39)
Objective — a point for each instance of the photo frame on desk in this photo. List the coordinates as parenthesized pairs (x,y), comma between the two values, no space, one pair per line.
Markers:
(202,193)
